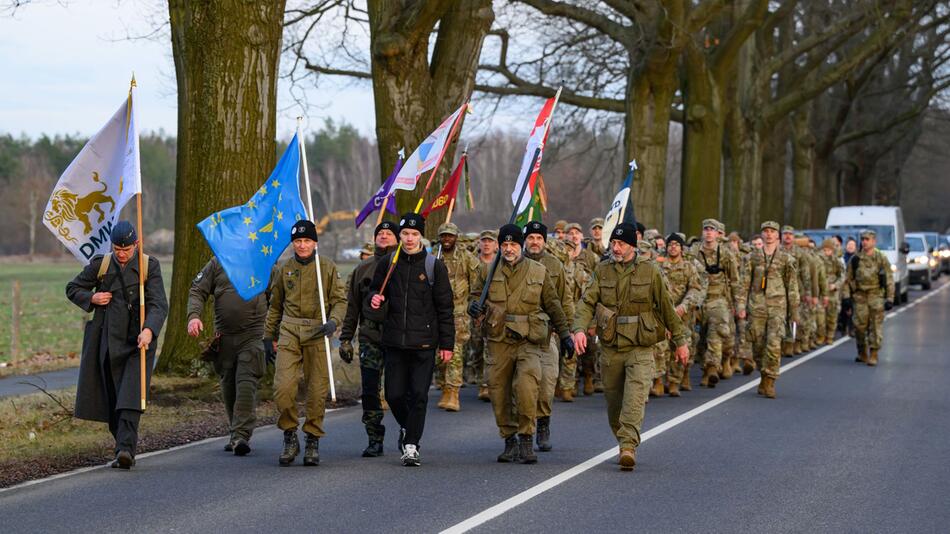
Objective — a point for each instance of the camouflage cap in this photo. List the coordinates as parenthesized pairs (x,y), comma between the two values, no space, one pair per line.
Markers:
(368,248)
(721,227)
(829,243)
(652,234)
(711,223)
(597,222)
(788,229)
(449,228)
(771,224)
(488,234)
(560,225)
(573,226)
(869,233)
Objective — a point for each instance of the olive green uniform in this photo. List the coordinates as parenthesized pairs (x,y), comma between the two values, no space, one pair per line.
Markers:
(549,363)
(521,301)
(584,264)
(463,275)
(633,311)
(687,289)
(239,362)
(294,320)
(868,284)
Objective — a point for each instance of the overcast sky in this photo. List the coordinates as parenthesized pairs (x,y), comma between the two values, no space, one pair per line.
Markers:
(65,67)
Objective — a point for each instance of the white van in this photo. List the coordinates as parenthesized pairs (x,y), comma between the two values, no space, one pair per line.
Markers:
(888,222)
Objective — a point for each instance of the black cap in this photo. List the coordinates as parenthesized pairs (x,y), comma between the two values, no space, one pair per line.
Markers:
(510,233)
(123,234)
(536,227)
(303,229)
(625,232)
(413,221)
(640,228)
(675,237)
(386,225)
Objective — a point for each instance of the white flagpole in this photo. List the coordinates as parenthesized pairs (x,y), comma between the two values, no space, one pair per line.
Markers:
(323,305)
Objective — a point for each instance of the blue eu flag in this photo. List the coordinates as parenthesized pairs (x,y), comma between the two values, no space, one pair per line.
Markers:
(248,239)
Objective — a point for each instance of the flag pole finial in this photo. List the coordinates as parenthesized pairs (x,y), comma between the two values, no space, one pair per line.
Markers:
(402,153)
(132,83)
(633,165)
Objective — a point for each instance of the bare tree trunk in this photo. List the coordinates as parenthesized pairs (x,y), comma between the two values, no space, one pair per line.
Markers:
(226,62)
(804,198)
(703,141)
(32,222)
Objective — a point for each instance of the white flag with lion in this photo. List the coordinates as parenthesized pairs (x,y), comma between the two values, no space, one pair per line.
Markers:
(88,197)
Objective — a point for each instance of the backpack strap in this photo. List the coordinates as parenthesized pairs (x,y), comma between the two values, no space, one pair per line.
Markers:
(430,269)
(104,266)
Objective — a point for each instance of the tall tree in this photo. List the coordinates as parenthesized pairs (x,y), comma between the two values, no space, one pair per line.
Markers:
(226,64)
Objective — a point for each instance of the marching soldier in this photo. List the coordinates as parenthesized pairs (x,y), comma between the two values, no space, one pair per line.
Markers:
(109,387)
(488,248)
(295,328)
(687,293)
(585,261)
(821,305)
(769,298)
(521,302)
(236,352)
(535,236)
(463,275)
(371,352)
(722,275)
(835,277)
(792,345)
(630,306)
(869,286)
(560,229)
(595,244)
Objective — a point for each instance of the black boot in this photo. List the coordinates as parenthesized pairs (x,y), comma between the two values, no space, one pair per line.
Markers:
(526,449)
(544,433)
(241,447)
(374,449)
(511,450)
(291,448)
(311,454)
(123,460)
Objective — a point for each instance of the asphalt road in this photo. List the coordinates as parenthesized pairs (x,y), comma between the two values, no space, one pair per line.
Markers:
(22,384)
(844,448)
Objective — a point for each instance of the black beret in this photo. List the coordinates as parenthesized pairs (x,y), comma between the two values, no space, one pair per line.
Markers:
(123,234)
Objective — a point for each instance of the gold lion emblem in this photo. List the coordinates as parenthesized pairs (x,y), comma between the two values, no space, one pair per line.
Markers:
(67,207)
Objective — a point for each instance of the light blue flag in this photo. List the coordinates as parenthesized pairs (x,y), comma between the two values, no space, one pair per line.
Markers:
(248,239)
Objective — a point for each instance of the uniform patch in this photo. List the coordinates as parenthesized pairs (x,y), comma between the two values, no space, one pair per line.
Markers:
(199,276)
(422,277)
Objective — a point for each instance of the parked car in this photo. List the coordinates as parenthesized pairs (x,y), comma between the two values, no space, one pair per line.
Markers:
(888,223)
(920,264)
(943,251)
(933,247)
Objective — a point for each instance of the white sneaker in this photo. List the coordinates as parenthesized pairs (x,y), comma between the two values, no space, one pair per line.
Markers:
(410,458)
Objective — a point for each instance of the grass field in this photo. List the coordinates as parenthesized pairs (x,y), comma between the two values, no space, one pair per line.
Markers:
(50,325)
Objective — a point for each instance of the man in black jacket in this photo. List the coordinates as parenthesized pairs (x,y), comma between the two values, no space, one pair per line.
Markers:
(416,311)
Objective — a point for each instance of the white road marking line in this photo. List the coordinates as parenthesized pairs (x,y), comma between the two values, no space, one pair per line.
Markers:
(532,492)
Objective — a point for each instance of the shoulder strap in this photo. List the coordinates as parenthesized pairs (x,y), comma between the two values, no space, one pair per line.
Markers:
(104,266)
(430,269)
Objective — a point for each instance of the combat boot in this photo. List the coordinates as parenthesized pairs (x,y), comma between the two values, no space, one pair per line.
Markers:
(674,389)
(761,389)
(588,385)
(628,459)
(862,355)
(657,389)
(374,449)
(558,392)
(747,367)
(768,387)
(526,449)
(567,395)
(383,405)
(452,405)
(726,372)
(820,341)
(797,348)
(734,360)
(872,359)
(123,460)
(311,453)
(710,376)
(544,433)
(511,450)
(685,384)
(444,400)
(598,386)
(241,447)
(483,394)
(291,448)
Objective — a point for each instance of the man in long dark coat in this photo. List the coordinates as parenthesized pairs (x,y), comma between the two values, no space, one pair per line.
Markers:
(109,388)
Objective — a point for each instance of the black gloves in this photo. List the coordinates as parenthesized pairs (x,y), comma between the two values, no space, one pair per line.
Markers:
(888,305)
(328,328)
(346,351)
(567,347)
(475,310)
(269,355)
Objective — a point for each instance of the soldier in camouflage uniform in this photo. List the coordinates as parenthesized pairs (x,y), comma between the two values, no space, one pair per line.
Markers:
(722,275)
(818,335)
(596,244)
(769,298)
(744,342)
(576,279)
(628,303)
(809,323)
(487,248)
(522,303)
(239,358)
(535,236)
(463,274)
(371,352)
(791,346)
(834,271)
(869,285)
(687,293)
(294,323)
(585,260)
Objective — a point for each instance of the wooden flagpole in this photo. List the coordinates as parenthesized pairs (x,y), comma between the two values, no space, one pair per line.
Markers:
(143,387)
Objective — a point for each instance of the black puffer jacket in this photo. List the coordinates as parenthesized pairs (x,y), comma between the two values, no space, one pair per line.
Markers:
(415,315)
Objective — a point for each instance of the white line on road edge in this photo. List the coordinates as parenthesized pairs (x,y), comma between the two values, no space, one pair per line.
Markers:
(564,476)
(138,457)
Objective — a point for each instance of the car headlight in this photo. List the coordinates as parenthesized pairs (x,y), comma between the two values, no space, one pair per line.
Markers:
(921,260)
(933,262)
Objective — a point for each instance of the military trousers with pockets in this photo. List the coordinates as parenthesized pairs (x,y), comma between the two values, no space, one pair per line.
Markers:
(240,365)
(293,360)
(628,375)
(514,384)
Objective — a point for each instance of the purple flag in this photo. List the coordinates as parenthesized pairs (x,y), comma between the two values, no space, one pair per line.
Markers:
(376,201)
